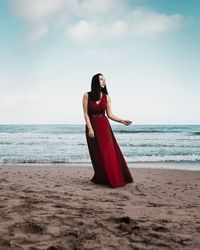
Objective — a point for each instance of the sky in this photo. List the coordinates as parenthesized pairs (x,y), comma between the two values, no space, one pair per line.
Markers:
(147,50)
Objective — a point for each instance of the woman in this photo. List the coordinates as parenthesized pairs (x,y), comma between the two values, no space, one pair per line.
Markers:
(108,162)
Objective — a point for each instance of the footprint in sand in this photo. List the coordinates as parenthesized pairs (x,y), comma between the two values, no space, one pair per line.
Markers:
(122,197)
(4,244)
(139,190)
(3,180)
(27,227)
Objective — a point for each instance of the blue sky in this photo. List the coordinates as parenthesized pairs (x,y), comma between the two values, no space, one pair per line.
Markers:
(148,51)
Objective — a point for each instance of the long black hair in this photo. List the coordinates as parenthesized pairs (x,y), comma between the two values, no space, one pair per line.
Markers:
(96,89)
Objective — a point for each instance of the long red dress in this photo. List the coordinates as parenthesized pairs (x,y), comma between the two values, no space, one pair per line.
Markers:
(109,165)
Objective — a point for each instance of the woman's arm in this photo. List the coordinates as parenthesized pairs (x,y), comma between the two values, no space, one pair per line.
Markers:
(113,117)
(86,116)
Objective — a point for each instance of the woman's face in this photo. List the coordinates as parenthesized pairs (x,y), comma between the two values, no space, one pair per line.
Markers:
(102,81)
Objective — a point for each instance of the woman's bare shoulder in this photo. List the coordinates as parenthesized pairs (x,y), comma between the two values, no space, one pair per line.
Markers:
(85,95)
(108,98)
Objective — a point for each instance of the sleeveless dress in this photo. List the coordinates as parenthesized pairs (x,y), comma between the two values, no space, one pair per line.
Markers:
(109,165)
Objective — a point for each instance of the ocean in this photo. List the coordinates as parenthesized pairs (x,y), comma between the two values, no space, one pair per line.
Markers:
(67,144)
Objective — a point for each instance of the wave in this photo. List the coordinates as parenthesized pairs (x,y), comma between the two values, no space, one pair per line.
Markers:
(137,159)
(5,143)
(195,133)
(20,143)
(14,161)
(123,131)
(167,158)
(160,145)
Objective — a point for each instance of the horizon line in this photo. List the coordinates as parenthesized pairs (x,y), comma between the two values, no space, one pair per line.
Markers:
(138,124)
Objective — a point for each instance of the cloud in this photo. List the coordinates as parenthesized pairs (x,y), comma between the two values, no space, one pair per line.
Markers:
(118,28)
(139,22)
(90,19)
(99,7)
(87,32)
(40,14)
(36,11)
(83,31)
(38,32)
(145,22)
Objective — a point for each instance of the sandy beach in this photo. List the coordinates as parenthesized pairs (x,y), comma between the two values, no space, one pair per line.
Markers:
(58,207)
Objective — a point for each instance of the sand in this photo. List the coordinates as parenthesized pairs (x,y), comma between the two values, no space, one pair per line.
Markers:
(58,207)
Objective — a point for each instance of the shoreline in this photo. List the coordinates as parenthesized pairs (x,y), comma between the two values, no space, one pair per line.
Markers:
(57,207)
(186,165)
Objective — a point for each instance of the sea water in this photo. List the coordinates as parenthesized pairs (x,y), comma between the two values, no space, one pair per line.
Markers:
(67,144)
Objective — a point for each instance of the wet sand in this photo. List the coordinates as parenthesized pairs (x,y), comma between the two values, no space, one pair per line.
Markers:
(58,207)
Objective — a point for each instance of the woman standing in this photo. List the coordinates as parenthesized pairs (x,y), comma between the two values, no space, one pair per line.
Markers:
(109,165)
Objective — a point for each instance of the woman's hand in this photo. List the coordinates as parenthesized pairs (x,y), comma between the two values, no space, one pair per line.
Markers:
(91,133)
(126,122)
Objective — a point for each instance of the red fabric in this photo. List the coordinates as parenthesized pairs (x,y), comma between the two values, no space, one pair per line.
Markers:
(109,165)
